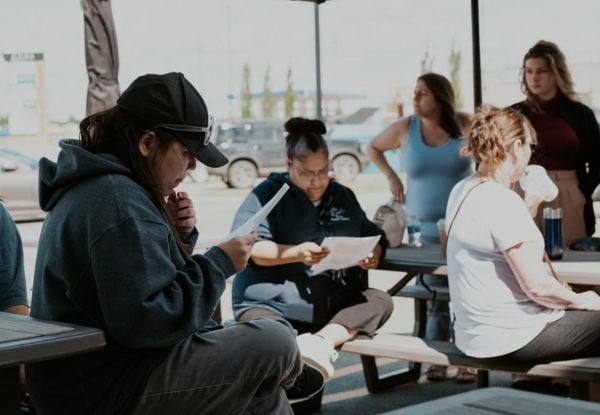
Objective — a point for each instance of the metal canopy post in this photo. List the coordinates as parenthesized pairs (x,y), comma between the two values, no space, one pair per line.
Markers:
(477,95)
(318,62)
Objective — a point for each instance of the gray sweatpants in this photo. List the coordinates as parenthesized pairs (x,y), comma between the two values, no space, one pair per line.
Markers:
(240,369)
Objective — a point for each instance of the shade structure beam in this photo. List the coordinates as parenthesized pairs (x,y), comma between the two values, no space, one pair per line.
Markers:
(101,55)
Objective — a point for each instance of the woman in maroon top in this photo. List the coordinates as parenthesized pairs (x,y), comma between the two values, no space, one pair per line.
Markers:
(568,137)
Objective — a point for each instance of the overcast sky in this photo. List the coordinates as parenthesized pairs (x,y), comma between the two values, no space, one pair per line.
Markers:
(369,47)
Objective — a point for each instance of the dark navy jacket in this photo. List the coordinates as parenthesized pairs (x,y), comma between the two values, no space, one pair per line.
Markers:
(289,289)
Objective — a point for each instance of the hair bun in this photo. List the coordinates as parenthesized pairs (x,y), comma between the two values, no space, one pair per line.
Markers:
(301,125)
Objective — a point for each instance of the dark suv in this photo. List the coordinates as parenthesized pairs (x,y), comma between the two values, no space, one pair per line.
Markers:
(257,148)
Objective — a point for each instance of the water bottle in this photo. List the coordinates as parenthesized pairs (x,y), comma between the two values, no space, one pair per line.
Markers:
(548,240)
(557,253)
(553,232)
(413,226)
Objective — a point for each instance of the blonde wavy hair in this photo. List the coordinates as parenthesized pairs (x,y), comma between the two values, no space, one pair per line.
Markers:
(493,132)
(556,61)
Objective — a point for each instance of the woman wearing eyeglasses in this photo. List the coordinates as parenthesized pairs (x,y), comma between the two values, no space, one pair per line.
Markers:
(277,284)
(568,137)
(430,143)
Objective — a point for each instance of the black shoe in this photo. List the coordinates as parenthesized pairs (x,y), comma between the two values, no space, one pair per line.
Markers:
(540,385)
(308,384)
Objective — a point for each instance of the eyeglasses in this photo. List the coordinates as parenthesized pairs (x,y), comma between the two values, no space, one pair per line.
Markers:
(308,176)
(192,129)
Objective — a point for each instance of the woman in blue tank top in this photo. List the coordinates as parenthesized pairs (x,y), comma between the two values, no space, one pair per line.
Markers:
(430,143)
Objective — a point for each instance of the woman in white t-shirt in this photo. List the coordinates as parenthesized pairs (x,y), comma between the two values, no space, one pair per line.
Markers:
(504,301)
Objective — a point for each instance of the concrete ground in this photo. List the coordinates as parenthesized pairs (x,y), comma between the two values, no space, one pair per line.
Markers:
(346,393)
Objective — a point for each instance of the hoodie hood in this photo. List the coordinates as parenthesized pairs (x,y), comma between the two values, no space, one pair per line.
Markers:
(74,165)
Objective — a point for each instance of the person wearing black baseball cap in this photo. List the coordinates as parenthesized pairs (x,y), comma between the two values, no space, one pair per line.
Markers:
(171,105)
(116,253)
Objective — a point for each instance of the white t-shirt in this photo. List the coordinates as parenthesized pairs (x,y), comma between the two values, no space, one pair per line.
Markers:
(493,314)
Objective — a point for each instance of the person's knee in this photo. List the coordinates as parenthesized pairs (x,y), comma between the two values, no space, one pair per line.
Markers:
(382,300)
(387,304)
(274,337)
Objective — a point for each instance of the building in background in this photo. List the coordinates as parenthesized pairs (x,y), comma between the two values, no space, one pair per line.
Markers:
(23,111)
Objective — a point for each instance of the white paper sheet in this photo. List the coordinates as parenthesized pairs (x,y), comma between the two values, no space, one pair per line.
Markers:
(345,252)
(252,224)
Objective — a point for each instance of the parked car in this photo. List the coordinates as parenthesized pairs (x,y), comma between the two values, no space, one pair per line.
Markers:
(19,185)
(257,148)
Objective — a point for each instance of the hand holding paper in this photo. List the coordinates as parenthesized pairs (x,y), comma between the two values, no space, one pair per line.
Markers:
(238,249)
(310,253)
(371,261)
(252,224)
(345,252)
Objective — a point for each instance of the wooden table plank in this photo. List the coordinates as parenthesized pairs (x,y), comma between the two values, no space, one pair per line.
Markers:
(10,335)
(14,322)
(27,340)
(523,406)
(495,401)
(40,340)
(576,267)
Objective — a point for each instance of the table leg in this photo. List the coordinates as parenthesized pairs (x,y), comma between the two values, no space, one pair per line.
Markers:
(9,390)
(402,283)
(376,382)
(579,390)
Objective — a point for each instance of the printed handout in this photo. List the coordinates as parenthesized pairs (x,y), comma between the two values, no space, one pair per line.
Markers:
(345,252)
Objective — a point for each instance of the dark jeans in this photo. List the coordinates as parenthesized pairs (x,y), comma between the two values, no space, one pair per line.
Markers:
(576,335)
(241,369)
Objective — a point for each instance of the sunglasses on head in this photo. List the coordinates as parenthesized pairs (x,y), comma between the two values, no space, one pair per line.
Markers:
(191,129)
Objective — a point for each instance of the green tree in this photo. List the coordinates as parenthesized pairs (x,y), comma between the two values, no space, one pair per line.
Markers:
(268,103)
(455,59)
(427,61)
(246,95)
(289,96)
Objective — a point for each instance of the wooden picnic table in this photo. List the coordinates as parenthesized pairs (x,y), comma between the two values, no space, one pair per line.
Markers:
(576,267)
(495,401)
(26,340)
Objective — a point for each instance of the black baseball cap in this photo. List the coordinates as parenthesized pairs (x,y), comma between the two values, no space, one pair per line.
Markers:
(171,104)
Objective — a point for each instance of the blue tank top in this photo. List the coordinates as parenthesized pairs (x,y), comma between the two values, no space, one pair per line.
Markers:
(432,173)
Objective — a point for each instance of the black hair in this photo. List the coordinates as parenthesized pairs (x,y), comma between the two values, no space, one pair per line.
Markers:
(116,131)
(443,93)
(305,136)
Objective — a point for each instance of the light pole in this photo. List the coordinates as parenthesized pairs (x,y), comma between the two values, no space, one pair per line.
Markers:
(319,97)
(318,62)
(477,93)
